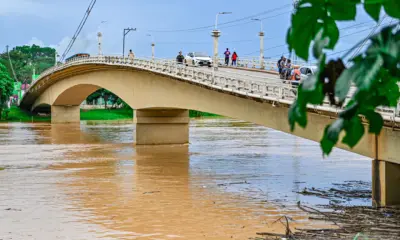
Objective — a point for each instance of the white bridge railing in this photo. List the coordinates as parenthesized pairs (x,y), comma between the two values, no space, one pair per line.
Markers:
(265,88)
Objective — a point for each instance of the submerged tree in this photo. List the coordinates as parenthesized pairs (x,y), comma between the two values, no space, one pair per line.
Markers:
(374,73)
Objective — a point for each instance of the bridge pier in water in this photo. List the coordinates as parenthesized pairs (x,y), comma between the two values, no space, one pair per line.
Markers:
(65,114)
(385,183)
(161,126)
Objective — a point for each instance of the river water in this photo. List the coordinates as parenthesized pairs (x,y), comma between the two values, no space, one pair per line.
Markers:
(90,182)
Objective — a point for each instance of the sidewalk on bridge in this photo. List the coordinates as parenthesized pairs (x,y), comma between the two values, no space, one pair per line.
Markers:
(252,70)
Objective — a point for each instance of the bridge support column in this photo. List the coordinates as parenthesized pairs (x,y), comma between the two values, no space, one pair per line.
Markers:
(65,114)
(162,126)
(385,183)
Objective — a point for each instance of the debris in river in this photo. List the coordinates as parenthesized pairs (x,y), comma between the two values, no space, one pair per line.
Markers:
(233,183)
(342,192)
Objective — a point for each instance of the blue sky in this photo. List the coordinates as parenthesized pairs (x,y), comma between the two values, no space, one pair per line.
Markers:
(53,22)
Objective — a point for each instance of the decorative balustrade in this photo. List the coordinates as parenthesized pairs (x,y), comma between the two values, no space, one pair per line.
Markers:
(265,88)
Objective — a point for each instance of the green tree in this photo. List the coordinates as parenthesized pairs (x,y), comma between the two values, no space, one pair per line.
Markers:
(6,88)
(106,95)
(26,58)
(374,72)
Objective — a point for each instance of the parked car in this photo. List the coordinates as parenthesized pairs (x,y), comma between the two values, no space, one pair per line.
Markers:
(307,71)
(198,59)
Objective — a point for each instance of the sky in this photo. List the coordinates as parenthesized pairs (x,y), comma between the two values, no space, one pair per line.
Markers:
(53,23)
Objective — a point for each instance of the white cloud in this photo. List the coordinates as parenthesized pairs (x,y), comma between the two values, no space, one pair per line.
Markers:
(86,43)
(36,42)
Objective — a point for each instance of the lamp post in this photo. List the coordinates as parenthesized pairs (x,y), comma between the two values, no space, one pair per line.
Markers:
(152,46)
(261,34)
(126,31)
(216,34)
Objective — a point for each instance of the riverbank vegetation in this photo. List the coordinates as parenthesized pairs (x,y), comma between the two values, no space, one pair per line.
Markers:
(15,114)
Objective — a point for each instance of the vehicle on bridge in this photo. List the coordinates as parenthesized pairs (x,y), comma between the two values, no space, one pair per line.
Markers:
(307,71)
(78,55)
(198,59)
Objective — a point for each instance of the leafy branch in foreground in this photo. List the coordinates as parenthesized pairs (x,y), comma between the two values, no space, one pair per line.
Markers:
(374,73)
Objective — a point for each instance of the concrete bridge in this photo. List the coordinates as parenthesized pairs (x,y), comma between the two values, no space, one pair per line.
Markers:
(161,92)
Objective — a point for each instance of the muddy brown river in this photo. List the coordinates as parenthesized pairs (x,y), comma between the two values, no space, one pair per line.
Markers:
(87,182)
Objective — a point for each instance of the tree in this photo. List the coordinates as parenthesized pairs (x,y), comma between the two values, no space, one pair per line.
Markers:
(374,72)
(106,95)
(27,58)
(6,88)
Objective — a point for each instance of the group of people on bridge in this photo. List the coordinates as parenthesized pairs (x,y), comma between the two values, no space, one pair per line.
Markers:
(287,71)
(227,54)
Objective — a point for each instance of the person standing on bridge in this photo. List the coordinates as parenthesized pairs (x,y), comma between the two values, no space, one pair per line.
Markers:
(180,58)
(234,58)
(279,64)
(131,56)
(227,55)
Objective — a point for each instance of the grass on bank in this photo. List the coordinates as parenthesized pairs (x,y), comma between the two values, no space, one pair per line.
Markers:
(106,114)
(18,115)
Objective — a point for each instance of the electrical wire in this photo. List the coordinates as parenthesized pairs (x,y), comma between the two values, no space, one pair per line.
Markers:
(221,24)
(367,38)
(79,29)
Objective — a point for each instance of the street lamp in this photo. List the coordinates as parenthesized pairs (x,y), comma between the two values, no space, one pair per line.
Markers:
(126,31)
(261,34)
(216,34)
(260,20)
(152,45)
(216,18)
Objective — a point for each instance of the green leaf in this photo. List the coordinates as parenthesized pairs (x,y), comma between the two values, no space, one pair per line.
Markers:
(354,131)
(331,135)
(350,111)
(343,83)
(375,120)
(304,28)
(392,8)
(331,31)
(373,8)
(320,43)
(297,114)
(368,71)
(343,10)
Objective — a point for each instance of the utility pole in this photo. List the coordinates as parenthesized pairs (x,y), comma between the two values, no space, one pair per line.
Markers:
(99,39)
(215,34)
(295,5)
(126,31)
(152,46)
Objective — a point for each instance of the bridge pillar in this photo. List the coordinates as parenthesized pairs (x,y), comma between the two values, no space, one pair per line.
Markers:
(162,126)
(385,183)
(65,114)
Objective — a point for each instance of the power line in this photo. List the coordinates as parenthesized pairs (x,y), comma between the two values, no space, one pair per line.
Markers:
(352,26)
(11,65)
(369,35)
(221,24)
(79,29)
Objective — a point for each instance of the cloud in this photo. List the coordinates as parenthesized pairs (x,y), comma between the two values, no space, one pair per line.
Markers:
(86,43)
(36,42)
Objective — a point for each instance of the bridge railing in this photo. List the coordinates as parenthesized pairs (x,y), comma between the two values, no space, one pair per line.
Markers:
(263,87)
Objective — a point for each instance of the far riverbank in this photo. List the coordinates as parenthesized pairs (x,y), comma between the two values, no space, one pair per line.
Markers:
(18,115)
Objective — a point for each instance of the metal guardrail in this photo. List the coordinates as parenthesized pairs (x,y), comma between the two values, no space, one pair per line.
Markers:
(270,89)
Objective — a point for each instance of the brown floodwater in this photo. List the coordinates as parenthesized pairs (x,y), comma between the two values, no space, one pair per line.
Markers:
(90,181)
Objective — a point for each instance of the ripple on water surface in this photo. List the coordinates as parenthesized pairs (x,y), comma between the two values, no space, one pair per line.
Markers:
(89,181)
